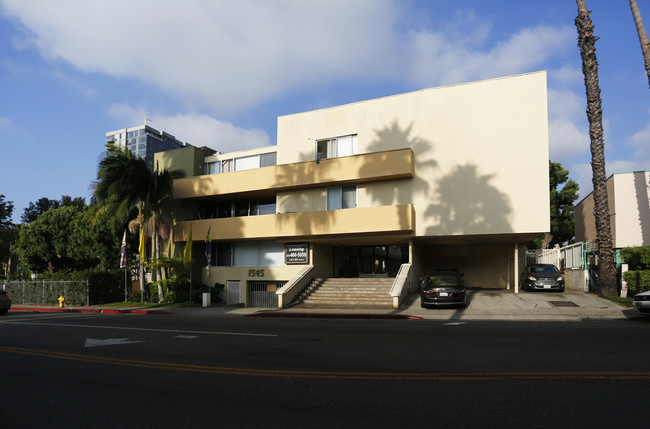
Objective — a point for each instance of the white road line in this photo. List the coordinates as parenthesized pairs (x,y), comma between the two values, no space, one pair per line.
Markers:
(454,323)
(180,331)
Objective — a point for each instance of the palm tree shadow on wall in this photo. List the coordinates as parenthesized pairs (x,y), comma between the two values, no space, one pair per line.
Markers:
(393,137)
(468,204)
(300,214)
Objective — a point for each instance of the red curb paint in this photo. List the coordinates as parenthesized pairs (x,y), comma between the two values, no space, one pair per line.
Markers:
(85,310)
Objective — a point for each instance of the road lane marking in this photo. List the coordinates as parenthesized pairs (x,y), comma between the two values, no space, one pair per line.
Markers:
(454,323)
(464,376)
(180,331)
(91,342)
(185,336)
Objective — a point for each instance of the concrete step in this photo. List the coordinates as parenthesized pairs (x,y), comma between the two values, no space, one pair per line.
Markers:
(348,293)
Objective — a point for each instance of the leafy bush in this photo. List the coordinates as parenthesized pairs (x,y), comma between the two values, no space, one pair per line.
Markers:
(637,258)
(637,281)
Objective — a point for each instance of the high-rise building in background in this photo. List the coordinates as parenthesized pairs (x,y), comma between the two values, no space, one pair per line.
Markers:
(143,141)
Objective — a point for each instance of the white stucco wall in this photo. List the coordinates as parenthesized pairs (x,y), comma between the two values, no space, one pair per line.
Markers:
(481,152)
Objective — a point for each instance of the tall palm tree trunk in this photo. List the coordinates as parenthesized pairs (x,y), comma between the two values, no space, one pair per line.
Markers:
(643,37)
(607,282)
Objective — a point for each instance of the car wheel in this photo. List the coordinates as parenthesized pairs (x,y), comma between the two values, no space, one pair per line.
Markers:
(3,311)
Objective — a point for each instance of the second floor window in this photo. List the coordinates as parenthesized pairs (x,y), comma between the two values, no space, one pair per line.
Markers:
(342,197)
(337,146)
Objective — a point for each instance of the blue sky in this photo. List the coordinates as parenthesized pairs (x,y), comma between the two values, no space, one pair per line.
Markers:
(219,73)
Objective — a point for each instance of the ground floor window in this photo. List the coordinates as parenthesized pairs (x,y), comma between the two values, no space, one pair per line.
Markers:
(258,253)
(248,254)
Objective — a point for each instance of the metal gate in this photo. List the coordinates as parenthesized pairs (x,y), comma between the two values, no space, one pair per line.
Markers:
(233,292)
(262,294)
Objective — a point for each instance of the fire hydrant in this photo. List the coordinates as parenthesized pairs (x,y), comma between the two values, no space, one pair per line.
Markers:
(61,301)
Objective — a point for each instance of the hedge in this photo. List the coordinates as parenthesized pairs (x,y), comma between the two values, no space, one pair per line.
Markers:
(637,281)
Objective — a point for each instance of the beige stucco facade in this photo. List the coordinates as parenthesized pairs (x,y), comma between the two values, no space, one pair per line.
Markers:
(446,173)
(628,195)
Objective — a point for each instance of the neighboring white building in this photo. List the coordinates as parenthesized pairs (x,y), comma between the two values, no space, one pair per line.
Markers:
(628,196)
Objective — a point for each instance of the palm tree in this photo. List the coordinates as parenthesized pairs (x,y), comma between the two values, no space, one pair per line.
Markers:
(607,282)
(643,37)
(125,184)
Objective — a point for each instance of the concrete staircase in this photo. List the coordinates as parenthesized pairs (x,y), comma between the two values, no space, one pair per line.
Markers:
(347,293)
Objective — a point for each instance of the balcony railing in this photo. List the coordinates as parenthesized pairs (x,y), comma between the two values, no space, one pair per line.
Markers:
(395,164)
(317,224)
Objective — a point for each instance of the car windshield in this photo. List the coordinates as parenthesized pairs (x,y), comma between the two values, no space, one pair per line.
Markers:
(444,280)
(544,269)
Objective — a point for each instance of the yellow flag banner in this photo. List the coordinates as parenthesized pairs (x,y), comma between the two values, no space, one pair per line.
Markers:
(142,248)
(187,256)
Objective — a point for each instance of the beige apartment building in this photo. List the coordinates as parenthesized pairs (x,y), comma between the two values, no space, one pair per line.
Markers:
(449,177)
(628,196)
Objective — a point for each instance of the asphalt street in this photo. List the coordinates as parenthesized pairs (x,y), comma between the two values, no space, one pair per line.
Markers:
(80,370)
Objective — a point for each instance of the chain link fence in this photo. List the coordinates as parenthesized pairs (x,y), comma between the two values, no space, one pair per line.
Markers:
(76,292)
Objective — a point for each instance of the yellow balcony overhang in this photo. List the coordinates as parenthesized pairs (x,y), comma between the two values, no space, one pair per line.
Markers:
(319,224)
(394,164)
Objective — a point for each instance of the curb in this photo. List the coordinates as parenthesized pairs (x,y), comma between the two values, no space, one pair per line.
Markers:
(87,310)
(335,316)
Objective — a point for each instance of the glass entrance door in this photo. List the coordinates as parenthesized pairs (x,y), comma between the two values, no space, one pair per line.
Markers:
(369,261)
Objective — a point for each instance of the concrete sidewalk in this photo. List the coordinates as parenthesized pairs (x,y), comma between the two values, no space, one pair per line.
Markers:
(483,305)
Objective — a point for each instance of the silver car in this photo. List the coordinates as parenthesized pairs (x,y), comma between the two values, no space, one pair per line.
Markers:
(642,301)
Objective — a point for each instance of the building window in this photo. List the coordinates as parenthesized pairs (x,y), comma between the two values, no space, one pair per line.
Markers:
(247,163)
(258,253)
(212,167)
(342,197)
(336,147)
(224,254)
(268,159)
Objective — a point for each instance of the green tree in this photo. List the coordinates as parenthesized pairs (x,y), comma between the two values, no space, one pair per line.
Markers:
(607,282)
(562,207)
(64,239)
(8,233)
(93,245)
(37,208)
(125,184)
(42,245)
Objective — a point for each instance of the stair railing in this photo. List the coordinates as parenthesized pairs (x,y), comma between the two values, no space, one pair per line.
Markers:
(398,291)
(294,286)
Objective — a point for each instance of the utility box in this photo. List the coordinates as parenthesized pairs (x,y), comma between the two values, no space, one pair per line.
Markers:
(206,299)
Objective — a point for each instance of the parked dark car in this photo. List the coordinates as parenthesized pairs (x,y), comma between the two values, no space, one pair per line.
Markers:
(5,302)
(541,277)
(443,287)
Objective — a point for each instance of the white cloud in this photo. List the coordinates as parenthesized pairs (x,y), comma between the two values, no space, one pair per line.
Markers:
(196,129)
(5,123)
(437,59)
(567,75)
(567,127)
(582,174)
(641,141)
(226,55)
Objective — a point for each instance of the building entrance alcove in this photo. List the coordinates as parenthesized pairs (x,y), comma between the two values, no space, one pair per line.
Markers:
(382,260)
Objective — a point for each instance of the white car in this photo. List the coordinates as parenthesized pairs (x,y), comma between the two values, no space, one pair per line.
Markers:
(642,301)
